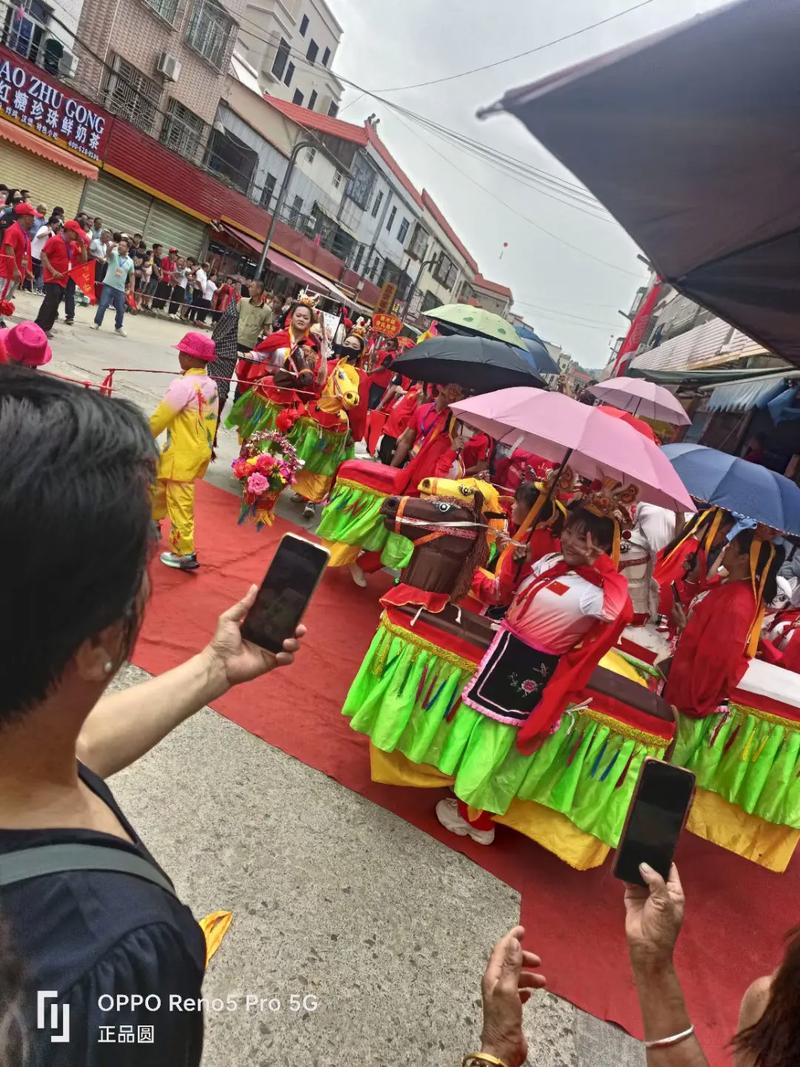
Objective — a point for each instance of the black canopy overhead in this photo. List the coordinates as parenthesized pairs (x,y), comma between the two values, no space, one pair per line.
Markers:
(691,139)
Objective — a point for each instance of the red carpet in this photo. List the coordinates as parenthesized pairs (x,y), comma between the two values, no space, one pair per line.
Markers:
(737,913)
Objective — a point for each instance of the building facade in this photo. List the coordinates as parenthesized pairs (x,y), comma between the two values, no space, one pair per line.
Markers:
(292,45)
(486,294)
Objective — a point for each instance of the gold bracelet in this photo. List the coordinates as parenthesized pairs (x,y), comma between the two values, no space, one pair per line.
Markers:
(482,1057)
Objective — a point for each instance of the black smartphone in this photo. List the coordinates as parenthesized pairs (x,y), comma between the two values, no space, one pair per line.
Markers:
(655,819)
(288,586)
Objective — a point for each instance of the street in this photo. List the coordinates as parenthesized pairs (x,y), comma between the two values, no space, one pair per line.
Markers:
(376,933)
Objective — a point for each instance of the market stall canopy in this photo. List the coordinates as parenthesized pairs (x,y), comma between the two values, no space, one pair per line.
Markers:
(641,397)
(690,138)
(737,485)
(477,321)
(475,363)
(558,428)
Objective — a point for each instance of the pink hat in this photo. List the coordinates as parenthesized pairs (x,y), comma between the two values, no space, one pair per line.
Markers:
(198,345)
(26,343)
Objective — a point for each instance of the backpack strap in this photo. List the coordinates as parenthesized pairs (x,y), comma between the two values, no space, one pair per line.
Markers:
(42,860)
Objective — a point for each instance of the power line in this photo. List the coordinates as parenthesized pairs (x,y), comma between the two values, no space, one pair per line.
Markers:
(518,55)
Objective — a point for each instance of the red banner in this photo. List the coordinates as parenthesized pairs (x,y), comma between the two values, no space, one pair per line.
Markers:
(83,276)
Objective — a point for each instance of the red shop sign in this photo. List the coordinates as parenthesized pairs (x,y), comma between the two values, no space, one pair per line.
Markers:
(29,98)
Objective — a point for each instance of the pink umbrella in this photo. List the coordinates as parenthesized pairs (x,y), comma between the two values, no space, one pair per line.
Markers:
(560,429)
(641,397)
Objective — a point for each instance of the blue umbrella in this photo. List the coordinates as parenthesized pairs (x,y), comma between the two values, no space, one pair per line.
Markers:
(737,485)
(540,359)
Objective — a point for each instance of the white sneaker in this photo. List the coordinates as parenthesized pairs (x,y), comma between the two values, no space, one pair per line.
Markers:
(447,814)
(94,326)
(309,511)
(358,576)
(121,332)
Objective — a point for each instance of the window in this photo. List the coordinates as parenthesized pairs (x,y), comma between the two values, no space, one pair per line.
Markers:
(377,205)
(361,183)
(419,242)
(287,78)
(167,9)
(326,56)
(392,216)
(268,190)
(359,256)
(313,48)
(401,233)
(312,100)
(443,268)
(373,270)
(183,131)
(128,92)
(333,109)
(303,25)
(296,210)
(279,62)
(311,155)
(337,179)
(210,32)
(298,98)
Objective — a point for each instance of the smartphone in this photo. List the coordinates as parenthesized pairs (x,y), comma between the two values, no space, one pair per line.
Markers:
(676,594)
(655,819)
(288,586)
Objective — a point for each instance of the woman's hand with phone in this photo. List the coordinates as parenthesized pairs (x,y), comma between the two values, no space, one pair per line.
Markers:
(232,660)
(653,917)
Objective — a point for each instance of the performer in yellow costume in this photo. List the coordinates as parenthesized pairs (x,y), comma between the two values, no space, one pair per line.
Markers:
(189,413)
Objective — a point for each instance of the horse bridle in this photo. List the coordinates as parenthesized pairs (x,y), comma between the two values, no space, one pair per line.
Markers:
(464,530)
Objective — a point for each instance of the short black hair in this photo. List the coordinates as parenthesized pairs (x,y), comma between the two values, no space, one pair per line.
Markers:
(76,468)
(599,526)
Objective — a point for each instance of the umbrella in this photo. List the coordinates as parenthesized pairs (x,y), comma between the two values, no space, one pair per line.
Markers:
(690,138)
(641,397)
(737,485)
(638,424)
(560,429)
(541,360)
(476,321)
(473,362)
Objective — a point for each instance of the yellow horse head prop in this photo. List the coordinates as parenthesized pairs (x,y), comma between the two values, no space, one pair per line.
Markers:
(464,489)
(340,392)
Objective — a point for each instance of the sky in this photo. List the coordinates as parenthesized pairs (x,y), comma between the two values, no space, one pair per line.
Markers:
(569,298)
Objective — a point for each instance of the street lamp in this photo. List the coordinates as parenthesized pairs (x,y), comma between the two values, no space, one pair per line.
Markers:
(287,177)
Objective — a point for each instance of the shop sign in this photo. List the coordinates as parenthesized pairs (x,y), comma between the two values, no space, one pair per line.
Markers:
(388,325)
(30,99)
(386,298)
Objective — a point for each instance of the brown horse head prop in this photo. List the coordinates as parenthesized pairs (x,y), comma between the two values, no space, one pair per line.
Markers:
(449,541)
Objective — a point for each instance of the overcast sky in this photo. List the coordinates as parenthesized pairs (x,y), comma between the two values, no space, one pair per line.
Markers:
(569,298)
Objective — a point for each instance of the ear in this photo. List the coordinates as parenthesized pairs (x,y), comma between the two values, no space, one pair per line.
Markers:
(100,655)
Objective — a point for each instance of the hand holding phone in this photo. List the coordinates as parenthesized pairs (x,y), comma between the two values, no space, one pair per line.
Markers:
(655,819)
(288,585)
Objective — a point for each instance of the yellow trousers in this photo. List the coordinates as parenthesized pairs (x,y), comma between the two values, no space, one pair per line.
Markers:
(176,500)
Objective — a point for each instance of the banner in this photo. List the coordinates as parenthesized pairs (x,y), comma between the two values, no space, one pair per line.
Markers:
(83,276)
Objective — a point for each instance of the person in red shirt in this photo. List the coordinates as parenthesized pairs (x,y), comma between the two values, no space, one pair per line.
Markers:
(56,262)
(169,266)
(15,250)
(381,377)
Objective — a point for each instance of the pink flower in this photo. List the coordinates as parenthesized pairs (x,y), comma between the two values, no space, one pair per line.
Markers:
(266,462)
(239,468)
(528,686)
(257,484)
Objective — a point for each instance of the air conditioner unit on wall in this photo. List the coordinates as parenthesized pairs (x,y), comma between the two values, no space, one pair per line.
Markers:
(169,66)
(68,65)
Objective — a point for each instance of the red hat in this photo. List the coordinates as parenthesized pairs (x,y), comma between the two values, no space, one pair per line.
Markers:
(198,345)
(26,343)
(73,227)
(27,209)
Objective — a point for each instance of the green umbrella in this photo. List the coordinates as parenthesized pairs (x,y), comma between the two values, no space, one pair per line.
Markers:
(477,321)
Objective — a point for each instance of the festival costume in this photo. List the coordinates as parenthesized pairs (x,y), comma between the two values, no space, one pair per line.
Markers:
(189,414)
(780,641)
(691,553)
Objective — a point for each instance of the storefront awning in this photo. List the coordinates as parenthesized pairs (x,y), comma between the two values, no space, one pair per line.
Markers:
(238,236)
(40,146)
(283,265)
(745,395)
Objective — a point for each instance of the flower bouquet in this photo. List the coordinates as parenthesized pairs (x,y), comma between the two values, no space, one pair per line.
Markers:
(265,466)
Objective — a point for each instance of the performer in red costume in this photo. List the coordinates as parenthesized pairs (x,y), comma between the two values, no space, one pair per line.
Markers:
(682,567)
(720,634)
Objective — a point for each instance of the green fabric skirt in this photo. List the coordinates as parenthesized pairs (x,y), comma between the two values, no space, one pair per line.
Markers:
(406,698)
(322,451)
(352,517)
(252,413)
(750,760)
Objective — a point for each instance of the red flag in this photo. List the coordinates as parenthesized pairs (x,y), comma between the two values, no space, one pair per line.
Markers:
(83,275)
(130,300)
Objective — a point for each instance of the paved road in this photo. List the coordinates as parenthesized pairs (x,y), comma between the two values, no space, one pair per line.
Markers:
(333,897)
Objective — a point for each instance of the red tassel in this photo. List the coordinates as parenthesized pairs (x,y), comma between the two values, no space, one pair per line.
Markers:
(625,770)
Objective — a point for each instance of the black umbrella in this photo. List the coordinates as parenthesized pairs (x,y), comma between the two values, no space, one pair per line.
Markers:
(475,363)
(691,140)
(542,361)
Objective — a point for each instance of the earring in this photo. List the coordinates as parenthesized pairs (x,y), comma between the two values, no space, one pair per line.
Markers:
(108,666)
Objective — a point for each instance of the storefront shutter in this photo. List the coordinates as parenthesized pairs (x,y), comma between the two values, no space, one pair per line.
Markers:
(174,229)
(121,206)
(48,184)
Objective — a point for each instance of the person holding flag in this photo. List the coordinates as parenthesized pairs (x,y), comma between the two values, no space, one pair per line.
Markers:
(55,272)
(117,281)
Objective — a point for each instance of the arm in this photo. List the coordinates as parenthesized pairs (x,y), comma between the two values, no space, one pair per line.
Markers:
(508,983)
(404,445)
(49,267)
(176,398)
(653,919)
(8,250)
(124,725)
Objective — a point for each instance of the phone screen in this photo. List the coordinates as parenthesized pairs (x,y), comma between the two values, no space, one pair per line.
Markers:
(288,585)
(655,820)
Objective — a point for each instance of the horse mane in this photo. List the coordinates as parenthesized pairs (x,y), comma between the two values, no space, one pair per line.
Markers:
(478,554)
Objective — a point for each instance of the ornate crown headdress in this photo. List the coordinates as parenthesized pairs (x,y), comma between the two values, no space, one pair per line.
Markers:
(358,331)
(612,500)
(308,299)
